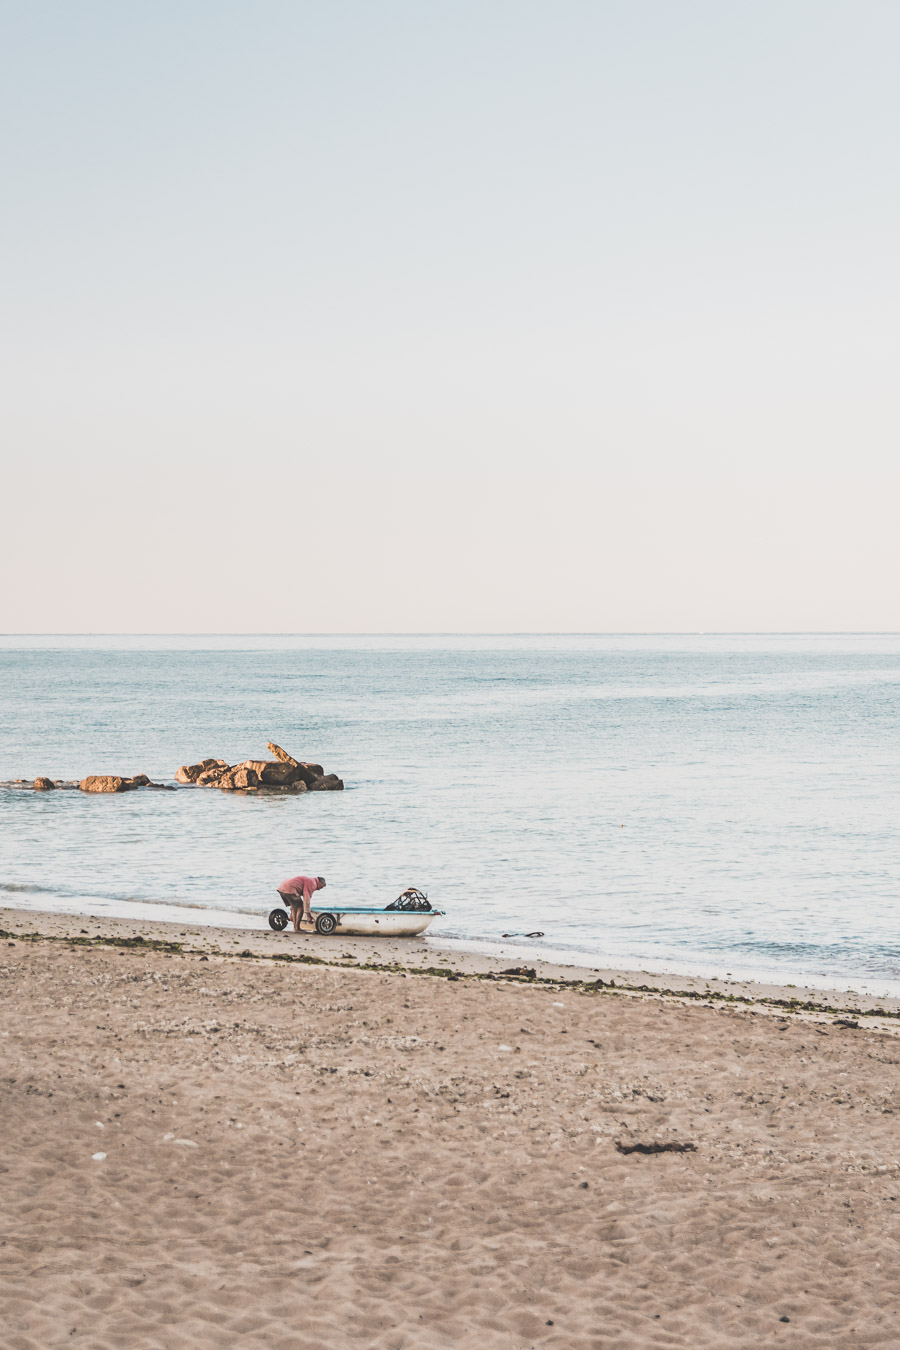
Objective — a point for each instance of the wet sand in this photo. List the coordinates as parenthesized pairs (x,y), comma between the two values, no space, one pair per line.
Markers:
(326,1155)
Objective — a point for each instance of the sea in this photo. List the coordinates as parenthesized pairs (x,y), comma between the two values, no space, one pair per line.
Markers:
(717,805)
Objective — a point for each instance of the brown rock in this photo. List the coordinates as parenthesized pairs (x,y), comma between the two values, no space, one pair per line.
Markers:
(282,755)
(273,772)
(103,782)
(139,780)
(306,773)
(189,773)
(242,777)
(211,777)
(43,785)
(310,772)
(278,774)
(257,766)
(329,782)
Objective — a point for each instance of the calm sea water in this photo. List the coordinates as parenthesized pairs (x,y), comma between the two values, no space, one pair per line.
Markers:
(699,804)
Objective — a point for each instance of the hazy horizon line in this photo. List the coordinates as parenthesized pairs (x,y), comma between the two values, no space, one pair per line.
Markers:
(476,632)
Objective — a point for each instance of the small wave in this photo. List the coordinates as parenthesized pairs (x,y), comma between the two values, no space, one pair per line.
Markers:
(191,904)
(66,893)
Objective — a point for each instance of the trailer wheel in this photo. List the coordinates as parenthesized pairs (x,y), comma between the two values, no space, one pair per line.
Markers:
(278,920)
(325,924)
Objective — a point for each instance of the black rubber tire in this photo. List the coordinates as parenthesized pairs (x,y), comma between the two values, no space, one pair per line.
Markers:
(278,920)
(325,924)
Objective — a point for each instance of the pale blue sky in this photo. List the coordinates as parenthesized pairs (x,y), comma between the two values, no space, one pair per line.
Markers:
(449,316)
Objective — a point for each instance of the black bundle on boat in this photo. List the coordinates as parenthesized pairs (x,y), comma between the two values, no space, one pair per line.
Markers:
(412,900)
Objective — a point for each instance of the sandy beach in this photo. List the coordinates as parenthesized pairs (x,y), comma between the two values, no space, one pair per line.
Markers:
(207,1144)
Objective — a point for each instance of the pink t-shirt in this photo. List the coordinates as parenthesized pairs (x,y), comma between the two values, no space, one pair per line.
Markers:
(302,887)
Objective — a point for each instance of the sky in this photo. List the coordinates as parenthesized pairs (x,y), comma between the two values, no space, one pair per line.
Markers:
(507,316)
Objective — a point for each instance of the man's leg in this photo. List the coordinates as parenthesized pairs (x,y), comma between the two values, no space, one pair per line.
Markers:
(296,914)
(307,908)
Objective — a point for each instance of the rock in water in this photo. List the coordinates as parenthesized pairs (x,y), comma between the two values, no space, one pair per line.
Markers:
(43,785)
(269,772)
(257,766)
(310,772)
(189,773)
(282,773)
(276,773)
(113,782)
(282,755)
(307,772)
(211,777)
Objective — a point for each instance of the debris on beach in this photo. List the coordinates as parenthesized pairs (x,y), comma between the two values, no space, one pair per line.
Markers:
(656,1146)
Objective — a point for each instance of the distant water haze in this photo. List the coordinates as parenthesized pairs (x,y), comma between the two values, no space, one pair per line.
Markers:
(706,804)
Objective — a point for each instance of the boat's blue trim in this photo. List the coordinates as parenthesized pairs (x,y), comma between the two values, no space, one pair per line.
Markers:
(324,909)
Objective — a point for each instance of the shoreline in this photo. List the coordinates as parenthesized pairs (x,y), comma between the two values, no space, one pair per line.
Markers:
(437,958)
(679,968)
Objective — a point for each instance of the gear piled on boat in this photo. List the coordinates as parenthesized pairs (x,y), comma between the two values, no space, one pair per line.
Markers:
(412,900)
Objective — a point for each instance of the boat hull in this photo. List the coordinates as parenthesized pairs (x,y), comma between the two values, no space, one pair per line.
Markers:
(378,923)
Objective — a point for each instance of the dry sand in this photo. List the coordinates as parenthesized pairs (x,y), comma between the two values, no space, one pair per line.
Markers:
(315,1155)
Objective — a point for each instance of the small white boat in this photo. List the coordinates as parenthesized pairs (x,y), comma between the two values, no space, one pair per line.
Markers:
(408,915)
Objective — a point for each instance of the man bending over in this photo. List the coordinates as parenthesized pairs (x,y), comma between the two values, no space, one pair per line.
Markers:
(297,892)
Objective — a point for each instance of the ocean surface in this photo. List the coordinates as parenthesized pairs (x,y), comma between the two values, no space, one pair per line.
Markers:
(702,804)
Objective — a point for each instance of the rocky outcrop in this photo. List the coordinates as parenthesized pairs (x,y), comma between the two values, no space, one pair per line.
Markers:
(282,773)
(189,773)
(277,774)
(248,778)
(210,777)
(305,771)
(103,782)
(112,782)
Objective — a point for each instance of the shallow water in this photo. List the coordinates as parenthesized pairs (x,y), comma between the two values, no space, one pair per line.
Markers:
(706,804)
